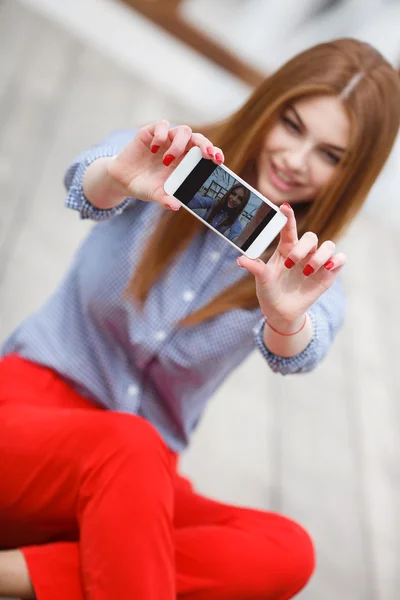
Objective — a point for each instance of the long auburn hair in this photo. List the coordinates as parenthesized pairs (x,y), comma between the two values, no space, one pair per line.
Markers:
(232,213)
(370,90)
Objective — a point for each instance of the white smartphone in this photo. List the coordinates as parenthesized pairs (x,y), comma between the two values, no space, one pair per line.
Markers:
(225,203)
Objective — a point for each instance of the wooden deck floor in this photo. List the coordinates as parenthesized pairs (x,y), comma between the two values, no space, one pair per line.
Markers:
(322,448)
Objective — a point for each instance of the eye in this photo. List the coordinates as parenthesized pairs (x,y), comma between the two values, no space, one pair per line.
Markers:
(333,158)
(291,125)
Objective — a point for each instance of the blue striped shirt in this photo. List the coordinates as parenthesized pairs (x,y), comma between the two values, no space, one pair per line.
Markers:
(141,361)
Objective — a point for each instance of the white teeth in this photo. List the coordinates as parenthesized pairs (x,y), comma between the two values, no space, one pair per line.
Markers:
(284,177)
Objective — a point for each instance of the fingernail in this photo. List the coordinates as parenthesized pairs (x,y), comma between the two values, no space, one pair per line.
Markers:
(289,263)
(155,148)
(168,159)
(308,270)
(218,157)
(286,204)
(171,207)
(210,151)
(237,260)
(329,265)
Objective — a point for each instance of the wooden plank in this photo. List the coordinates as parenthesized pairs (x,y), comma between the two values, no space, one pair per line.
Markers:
(375,381)
(27,124)
(318,479)
(166,15)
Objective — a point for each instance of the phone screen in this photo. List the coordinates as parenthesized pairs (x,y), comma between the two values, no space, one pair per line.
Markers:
(225,203)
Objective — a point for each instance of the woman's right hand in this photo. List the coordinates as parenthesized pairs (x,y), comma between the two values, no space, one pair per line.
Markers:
(142,167)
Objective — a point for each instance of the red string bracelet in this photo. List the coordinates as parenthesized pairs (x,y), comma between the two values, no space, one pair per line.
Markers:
(287,334)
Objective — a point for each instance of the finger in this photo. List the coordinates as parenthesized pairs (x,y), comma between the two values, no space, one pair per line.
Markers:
(207,149)
(179,137)
(218,155)
(307,244)
(166,201)
(256,267)
(288,236)
(335,263)
(157,134)
(319,258)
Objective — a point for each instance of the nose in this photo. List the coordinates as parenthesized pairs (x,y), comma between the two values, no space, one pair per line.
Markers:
(297,158)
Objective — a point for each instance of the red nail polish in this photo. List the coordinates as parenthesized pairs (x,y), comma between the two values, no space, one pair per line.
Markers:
(210,151)
(155,148)
(329,265)
(289,263)
(308,270)
(168,159)
(286,204)
(218,157)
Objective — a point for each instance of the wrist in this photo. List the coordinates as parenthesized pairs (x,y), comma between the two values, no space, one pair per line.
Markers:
(111,179)
(287,326)
(292,337)
(100,187)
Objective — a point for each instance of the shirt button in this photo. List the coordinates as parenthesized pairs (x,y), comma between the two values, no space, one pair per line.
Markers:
(160,336)
(215,256)
(188,295)
(133,390)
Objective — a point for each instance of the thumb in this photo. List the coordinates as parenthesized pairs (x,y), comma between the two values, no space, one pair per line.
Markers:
(256,267)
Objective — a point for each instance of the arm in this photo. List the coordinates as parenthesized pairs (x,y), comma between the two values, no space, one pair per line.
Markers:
(90,189)
(298,285)
(324,319)
(199,201)
(103,180)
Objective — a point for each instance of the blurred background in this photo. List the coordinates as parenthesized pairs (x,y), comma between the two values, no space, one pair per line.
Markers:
(322,448)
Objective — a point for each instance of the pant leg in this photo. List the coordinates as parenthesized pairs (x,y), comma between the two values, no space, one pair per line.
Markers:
(222,552)
(107,474)
(55,570)
(227,552)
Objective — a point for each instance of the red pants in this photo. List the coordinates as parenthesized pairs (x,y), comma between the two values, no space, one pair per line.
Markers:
(94,499)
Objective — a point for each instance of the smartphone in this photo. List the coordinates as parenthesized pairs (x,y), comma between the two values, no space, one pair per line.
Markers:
(225,203)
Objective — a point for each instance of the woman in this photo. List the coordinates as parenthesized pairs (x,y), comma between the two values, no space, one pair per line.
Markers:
(223,214)
(151,318)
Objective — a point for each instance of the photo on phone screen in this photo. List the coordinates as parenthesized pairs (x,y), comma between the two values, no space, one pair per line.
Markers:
(225,203)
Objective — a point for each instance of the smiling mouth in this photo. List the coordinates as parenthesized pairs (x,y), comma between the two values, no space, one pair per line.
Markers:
(281,179)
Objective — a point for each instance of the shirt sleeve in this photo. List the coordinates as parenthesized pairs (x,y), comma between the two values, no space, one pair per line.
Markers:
(73,179)
(199,201)
(327,316)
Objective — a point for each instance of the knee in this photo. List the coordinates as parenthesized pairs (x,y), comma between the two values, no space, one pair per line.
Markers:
(300,559)
(297,558)
(287,562)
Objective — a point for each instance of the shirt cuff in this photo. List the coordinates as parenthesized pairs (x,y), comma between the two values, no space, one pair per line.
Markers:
(76,199)
(301,363)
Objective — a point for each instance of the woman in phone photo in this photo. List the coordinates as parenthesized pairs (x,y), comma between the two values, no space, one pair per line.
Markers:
(102,388)
(223,214)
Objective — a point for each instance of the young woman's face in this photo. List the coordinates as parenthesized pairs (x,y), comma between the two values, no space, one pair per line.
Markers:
(301,152)
(236,197)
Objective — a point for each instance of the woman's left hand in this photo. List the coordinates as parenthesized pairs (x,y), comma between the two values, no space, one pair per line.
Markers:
(296,275)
